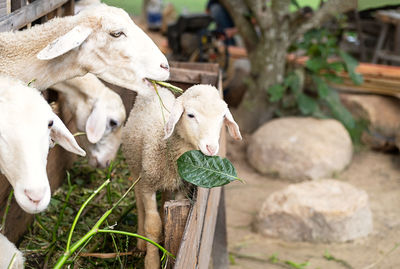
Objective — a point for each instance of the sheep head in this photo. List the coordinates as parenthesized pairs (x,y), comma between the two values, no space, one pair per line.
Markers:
(27,128)
(199,114)
(111,46)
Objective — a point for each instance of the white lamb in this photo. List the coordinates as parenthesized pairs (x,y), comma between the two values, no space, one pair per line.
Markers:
(152,148)
(99,112)
(102,40)
(28,127)
(7,252)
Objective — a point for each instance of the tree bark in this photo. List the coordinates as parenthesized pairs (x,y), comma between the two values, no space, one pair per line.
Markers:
(267,35)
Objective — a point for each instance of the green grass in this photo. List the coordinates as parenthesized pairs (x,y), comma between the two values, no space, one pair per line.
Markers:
(48,235)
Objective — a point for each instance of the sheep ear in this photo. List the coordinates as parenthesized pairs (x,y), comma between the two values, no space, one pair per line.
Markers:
(233,128)
(65,43)
(61,135)
(174,117)
(96,124)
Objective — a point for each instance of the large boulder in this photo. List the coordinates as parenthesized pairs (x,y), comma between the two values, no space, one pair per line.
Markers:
(382,117)
(317,211)
(298,148)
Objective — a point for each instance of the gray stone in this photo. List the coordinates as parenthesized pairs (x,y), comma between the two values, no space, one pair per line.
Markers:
(317,211)
(297,148)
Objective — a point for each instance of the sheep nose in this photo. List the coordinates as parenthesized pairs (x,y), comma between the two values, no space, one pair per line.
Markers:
(211,150)
(35,196)
(165,66)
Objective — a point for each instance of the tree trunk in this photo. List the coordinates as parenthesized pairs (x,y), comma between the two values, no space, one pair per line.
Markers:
(267,36)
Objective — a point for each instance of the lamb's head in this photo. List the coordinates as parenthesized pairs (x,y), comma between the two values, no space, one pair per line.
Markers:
(198,115)
(104,130)
(27,128)
(112,47)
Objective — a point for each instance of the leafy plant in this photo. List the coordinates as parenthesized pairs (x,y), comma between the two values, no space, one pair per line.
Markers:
(206,171)
(306,90)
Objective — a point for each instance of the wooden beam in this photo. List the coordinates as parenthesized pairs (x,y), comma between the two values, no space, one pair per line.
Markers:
(175,217)
(28,13)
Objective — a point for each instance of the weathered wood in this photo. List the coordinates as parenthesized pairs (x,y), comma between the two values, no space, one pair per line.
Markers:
(192,76)
(29,13)
(17,4)
(175,217)
(208,67)
(220,244)
(3,8)
(188,253)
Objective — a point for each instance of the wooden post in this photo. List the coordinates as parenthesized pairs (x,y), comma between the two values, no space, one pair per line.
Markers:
(175,216)
(219,254)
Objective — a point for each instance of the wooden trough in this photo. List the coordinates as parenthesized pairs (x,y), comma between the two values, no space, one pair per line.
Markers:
(189,228)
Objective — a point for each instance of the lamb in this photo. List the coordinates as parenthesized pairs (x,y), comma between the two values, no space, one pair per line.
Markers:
(101,40)
(8,250)
(28,127)
(151,148)
(99,112)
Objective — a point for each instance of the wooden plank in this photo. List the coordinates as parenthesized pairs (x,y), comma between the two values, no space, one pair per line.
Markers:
(175,216)
(219,257)
(29,13)
(17,4)
(208,67)
(3,8)
(207,235)
(192,76)
(188,253)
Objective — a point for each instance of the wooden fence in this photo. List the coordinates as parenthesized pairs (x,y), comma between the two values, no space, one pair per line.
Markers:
(192,237)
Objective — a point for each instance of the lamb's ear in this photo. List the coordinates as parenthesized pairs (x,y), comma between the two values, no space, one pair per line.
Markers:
(174,117)
(65,43)
(61,135)
(233,128)
(96,124)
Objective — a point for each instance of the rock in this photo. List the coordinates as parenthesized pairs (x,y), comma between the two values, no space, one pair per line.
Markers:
(298,148)
(382,115)
(318,211)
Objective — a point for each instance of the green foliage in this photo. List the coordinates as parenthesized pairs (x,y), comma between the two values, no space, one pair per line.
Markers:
(205,171)
(305,89)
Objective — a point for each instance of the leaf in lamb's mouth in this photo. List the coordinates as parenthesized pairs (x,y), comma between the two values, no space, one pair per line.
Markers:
(206,171)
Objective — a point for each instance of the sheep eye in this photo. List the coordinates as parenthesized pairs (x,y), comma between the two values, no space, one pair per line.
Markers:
(51,122)
(190,115)
(113,123)
(117,34)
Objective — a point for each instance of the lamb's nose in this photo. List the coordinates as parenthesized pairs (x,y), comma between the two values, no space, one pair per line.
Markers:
(165,66)
(35,196)
(211,150)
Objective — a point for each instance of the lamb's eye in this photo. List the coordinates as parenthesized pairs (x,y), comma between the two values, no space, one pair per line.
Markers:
(190,115)
(117,34)
(113,123)
(51,122)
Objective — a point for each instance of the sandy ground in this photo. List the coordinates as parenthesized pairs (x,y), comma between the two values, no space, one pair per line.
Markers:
(377,173)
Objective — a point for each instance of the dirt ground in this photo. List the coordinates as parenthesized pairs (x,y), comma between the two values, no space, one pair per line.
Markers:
(375,172)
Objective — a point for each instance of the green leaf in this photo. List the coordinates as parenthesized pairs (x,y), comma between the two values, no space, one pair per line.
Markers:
(339,111)
(333,78)
(336,66)
(351,65)
(293,82)
(276,92)
(322,87)
(316,64)
(205,171)
(306,104)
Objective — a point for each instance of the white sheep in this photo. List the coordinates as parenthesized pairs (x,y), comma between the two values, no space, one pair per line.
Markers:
(7,252)
(28,127)
(99,112)
(151,148)
(102,40)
